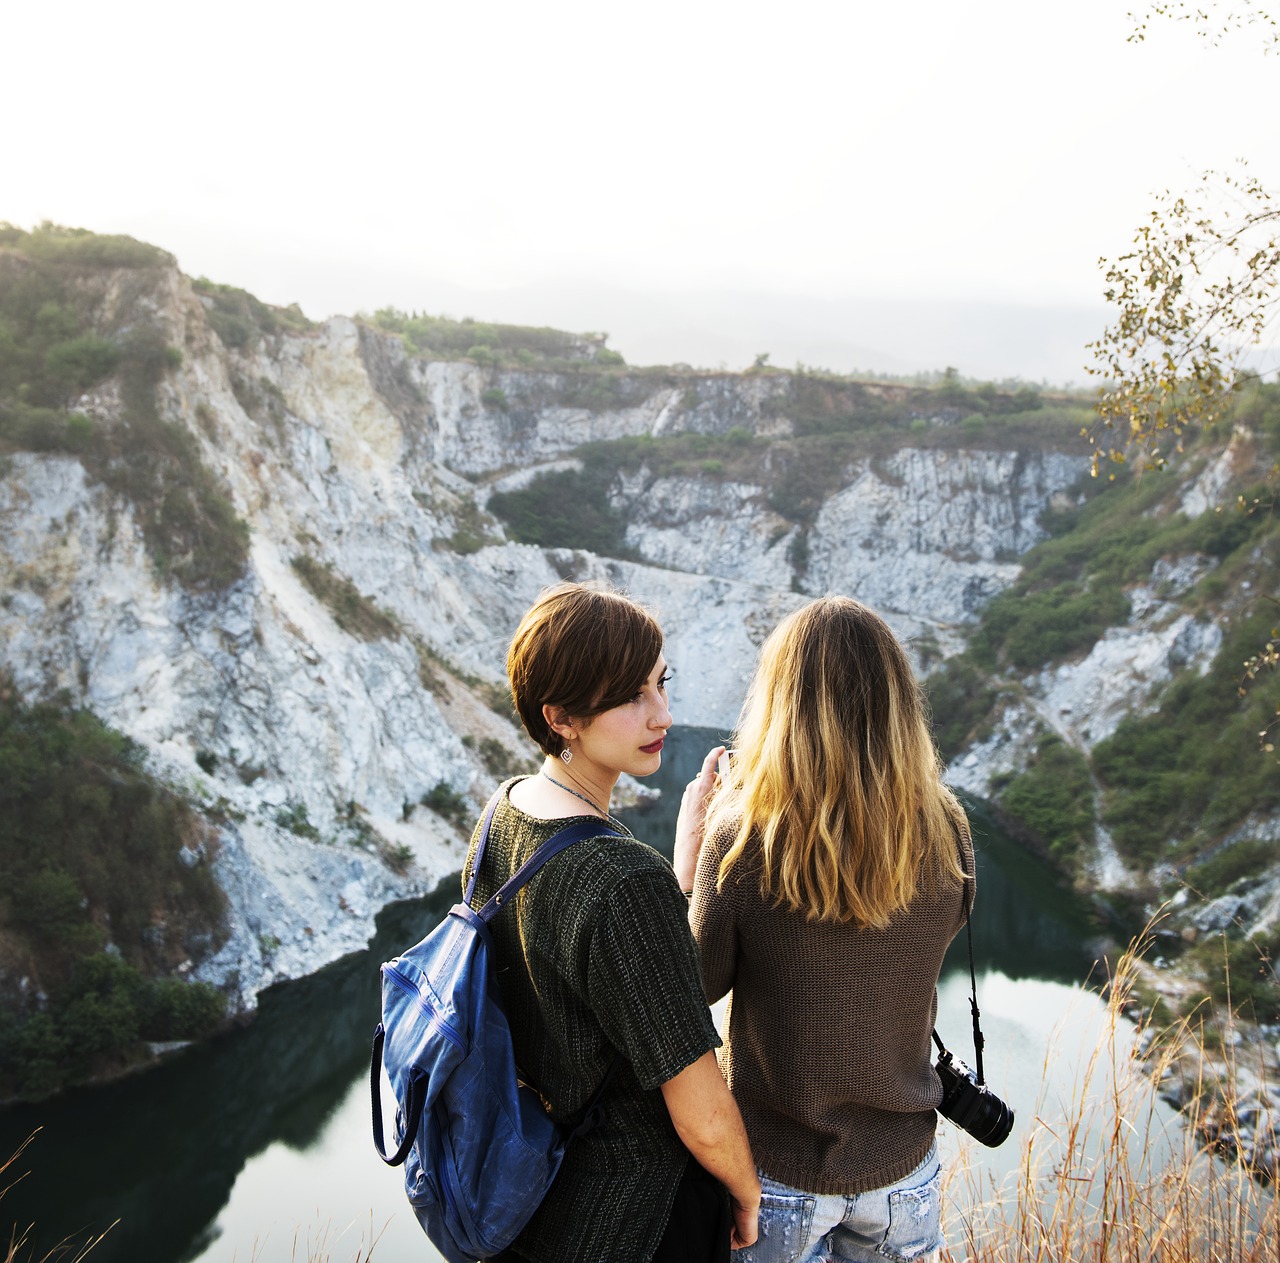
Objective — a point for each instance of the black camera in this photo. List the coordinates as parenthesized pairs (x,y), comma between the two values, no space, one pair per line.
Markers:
(970,1104)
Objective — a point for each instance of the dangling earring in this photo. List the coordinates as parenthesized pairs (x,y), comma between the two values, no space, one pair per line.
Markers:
(567,756)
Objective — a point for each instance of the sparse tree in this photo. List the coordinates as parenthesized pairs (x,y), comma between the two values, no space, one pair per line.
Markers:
(1196,298)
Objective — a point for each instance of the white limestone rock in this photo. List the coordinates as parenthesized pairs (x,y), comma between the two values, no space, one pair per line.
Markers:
(934,533)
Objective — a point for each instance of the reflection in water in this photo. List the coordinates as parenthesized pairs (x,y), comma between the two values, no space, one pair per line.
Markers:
(160,1151)
(228,1149)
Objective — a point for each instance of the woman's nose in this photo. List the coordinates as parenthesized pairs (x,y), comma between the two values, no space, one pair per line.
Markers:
(662,717)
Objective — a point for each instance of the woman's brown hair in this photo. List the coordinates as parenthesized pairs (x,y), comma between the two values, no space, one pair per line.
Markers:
(836,785)
(583,649)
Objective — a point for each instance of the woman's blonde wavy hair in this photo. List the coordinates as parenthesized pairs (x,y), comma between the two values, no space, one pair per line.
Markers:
(835,776)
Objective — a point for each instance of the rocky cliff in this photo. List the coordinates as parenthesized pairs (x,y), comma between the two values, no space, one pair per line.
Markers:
(334,708)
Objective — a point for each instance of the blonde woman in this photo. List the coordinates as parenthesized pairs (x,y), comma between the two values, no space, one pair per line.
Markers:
(826,893)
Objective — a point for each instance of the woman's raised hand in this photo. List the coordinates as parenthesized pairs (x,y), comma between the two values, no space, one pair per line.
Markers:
(692,818)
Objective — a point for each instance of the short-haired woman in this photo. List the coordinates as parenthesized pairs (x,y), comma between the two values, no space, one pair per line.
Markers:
(597,965)
(826,893)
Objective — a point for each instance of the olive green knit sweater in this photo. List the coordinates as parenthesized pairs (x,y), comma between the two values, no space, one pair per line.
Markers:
(598,959)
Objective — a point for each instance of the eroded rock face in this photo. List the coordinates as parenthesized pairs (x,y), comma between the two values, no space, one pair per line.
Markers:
(317,743)
(935,533)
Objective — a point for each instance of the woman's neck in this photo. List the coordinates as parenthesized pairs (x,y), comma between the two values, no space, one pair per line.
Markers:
(581,779)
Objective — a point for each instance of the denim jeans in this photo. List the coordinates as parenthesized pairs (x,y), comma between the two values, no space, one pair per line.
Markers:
(901,1223)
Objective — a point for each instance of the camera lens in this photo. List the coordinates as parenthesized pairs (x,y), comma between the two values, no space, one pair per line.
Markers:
(992,1121)
(971,1106)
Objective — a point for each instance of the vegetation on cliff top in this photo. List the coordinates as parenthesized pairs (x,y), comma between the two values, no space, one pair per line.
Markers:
(831,421)
(106,890)
(68,325)
(489,344)
(241,320)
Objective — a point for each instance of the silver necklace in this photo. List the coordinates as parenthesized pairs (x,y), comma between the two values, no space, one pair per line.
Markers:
(568,790)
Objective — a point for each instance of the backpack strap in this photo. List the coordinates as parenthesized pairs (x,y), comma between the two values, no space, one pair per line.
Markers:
(416,1090)
(484,841)
(552,847)
(415,1098)
(593,1115)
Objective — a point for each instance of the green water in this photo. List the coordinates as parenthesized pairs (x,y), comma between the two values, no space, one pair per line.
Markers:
(232,1149)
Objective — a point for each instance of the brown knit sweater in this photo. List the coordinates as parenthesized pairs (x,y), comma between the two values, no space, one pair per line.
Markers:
(828,1052)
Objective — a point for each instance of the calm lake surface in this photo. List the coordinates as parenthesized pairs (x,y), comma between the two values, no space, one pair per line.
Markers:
(256,1146)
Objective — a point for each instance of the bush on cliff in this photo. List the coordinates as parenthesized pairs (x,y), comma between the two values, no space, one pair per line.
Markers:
(105,887)
(52,350)
(567,508)
(1191,769)
(1051,803)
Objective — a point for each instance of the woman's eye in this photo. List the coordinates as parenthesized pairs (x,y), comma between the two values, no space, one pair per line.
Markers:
(661,687)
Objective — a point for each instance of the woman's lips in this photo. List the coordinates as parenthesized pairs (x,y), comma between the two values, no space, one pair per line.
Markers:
(657,745)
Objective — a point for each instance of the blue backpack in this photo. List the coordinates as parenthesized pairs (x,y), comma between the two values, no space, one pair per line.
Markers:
(478,1147)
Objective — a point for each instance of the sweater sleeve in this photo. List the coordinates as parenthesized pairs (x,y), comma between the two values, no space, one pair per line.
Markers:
(643,979)
(713,917)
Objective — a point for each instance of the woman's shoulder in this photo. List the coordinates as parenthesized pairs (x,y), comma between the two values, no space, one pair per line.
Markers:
(725,836)
(617,858)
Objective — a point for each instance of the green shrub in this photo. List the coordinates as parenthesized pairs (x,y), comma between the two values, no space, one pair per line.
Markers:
(96,1021)
(44,429)
(1192,768)
(825,404)
(566,508)
(961,697)
(81,361)
(240,320)
(498,760)
(1031,629)
(1241,973)
(445,801)
(456,339)
(172,1009)
(1220,871)
(89,841)
(50,352)
(46,904)
(293,816)
(398,857)
(91,847)
(354,612)
(1051,802)
(78,247)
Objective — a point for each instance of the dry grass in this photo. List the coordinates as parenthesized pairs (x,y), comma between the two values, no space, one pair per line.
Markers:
(16,1249)
(1111,1178)
(320,1243)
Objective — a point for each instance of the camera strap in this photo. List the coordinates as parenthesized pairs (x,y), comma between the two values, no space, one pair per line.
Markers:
(978,1041)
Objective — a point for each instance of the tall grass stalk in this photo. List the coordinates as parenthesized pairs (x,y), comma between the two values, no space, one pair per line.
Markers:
(1109,1177)
(16,1251)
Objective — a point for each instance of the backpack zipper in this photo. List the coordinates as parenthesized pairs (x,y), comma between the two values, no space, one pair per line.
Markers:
(438,1023)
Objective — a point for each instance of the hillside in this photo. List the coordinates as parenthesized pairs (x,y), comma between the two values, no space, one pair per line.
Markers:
(281,561)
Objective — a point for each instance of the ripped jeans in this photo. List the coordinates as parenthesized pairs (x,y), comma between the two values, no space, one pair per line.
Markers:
(901,1223)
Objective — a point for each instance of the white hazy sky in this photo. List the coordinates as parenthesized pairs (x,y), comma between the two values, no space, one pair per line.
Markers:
(494,155)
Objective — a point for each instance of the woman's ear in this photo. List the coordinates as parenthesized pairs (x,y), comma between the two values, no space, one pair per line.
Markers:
(558,721)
